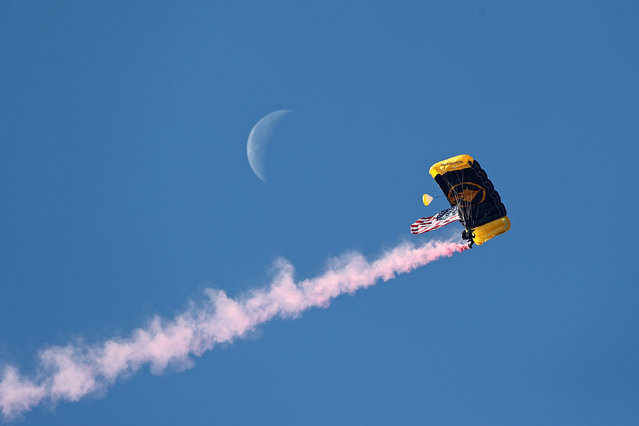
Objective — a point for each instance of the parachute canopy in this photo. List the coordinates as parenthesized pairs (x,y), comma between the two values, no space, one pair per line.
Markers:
(427,199)
(466,186)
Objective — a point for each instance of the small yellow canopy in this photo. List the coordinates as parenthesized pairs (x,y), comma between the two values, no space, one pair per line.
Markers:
(427,199)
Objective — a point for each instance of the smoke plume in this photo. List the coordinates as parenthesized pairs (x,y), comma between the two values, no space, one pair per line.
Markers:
(68,373)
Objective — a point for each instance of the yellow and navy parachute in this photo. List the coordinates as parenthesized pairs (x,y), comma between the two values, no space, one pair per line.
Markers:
(467,187)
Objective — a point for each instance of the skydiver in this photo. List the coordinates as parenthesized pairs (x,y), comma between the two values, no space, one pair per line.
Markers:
(467,234)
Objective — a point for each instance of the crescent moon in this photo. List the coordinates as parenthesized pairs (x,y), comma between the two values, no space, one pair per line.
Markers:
(258,139)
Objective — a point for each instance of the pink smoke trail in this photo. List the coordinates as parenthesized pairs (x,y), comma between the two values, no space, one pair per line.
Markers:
(68,373)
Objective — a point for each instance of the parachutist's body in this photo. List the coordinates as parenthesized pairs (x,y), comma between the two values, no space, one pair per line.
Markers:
(467,234)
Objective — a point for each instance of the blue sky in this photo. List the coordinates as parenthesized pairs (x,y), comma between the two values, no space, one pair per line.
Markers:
(126,192)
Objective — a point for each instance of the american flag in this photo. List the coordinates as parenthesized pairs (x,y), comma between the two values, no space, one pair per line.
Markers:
(442,218)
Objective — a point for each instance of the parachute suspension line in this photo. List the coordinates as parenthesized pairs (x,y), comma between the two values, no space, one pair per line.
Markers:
(466,232)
